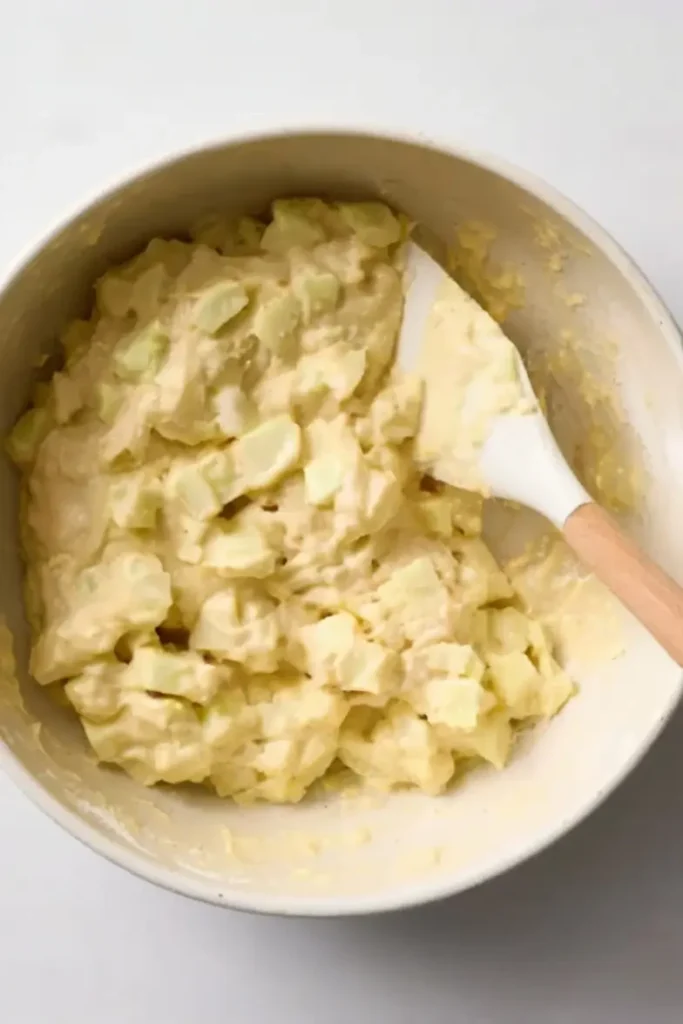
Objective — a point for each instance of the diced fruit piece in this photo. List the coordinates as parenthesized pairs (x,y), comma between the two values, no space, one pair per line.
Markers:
(238,627)
(134,500)
(27,436)
(275,322)
(265,454)
(145,588)
(395,413)
(127,593)
(236,413)
(467,511)
(204,269)
(338,369)
(328,640)
(400,748)
(109,400)
(555,691)
(113,295)
(273,395)
(516,681)
(140,358)
(555,687)
(443,659)
(218,305)
(181,404)
(332,435)
(507,630)
(337,652)
(188,535)
(364,497)
(133,640)
(172,254)
(178,674)
(454,702)
(188,484)
(480,574)
(296,727)
(382,499)
(130,430)
(66,396)
(219,469)
(368,667)
(146,295)
(436,513)
(416,580)
(96,692)
(528,681)
(236,551)
(323,477)
(156,739)
(296,222)
(417,603)
(374,223)
(445,681)
(317,291)
(491,740)
(75,338)
(201,487)
(229,721)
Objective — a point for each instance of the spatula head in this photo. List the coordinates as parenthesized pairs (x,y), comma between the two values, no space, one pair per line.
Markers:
(482,427)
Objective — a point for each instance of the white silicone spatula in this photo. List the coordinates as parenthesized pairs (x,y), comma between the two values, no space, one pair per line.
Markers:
(520,460)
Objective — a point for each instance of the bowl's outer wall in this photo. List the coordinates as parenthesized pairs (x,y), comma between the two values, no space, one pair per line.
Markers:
(416,848)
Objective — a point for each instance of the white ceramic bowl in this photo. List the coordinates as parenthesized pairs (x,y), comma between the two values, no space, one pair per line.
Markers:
(341,856)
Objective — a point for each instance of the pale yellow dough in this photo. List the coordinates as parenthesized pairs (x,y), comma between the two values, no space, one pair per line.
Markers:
(234,568)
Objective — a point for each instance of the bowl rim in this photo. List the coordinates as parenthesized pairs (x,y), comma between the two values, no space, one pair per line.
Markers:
(430,889)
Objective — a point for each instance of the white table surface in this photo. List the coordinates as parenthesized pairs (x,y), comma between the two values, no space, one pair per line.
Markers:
(588,94)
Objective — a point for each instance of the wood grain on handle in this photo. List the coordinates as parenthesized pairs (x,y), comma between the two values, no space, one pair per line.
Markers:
(646,590)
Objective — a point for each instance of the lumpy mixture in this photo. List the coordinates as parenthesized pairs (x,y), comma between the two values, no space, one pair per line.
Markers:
(236,573)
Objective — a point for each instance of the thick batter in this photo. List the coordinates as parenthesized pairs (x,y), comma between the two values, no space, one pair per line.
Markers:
(234,568)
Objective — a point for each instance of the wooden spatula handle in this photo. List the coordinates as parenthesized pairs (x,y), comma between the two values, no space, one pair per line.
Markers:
(646,590)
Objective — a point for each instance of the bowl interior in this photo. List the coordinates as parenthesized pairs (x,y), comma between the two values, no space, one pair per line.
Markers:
(351,853)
